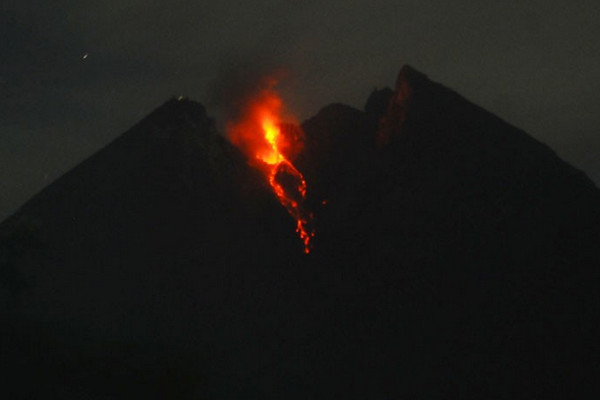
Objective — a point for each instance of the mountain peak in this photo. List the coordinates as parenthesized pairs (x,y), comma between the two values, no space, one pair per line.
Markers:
(177,112)
(409,74)
(392,120)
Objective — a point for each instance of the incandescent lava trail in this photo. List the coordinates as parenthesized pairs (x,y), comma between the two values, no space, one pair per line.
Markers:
(259,133)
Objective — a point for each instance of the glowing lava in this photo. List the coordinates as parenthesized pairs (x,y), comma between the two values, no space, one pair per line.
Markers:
(258,133)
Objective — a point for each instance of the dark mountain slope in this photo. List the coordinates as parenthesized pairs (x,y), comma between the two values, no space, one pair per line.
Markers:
(159,253)
(455,257)
(467,252)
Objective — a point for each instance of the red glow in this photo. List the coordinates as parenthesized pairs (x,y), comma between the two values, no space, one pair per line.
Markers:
(258,134)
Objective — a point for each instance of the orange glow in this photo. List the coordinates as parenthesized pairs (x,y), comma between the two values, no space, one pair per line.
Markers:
(259,135)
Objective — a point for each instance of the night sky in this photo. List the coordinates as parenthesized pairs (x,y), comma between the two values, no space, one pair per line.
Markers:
(74,74)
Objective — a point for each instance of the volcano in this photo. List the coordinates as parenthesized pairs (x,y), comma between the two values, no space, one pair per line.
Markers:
(454,256)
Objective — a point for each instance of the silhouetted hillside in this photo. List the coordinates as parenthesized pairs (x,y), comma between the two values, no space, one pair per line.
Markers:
(455,257)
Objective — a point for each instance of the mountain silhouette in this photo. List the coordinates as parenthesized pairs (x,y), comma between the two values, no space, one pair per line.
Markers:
(455,257)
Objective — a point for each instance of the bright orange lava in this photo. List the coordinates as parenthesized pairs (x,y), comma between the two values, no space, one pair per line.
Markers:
(258,133)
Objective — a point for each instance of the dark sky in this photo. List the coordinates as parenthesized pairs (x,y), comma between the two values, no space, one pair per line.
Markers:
(534,63)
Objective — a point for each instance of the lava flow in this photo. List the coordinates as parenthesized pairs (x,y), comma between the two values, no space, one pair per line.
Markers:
(259,133)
